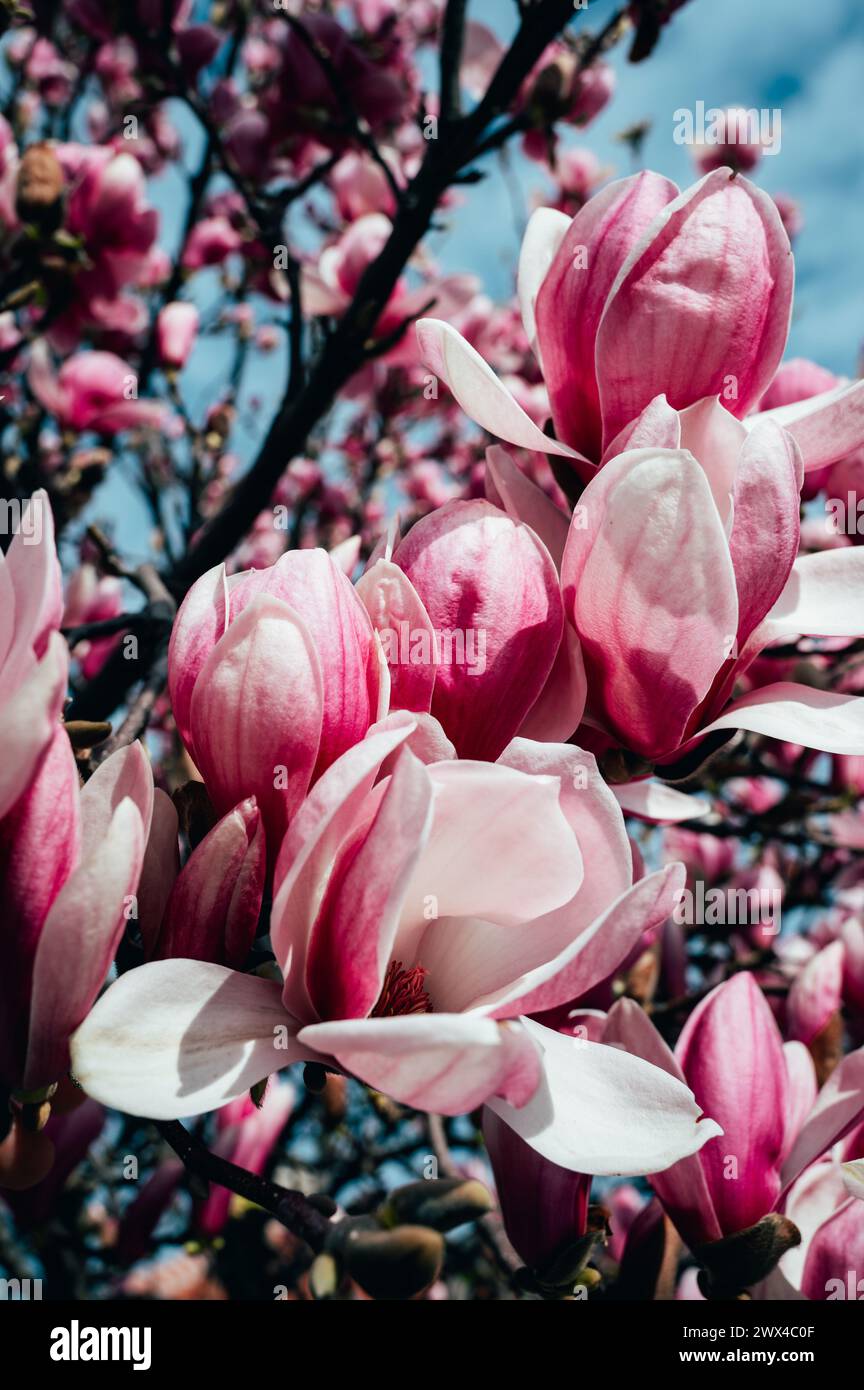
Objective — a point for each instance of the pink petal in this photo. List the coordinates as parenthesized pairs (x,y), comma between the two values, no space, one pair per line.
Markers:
(656,802)
(78,942)
(649,586)
(445,1063)
(256,711)
(406,633)
(159,870)
(682,1188)
(212,913)
(745,1089)
(322,823)
(351,940)
(802,1091)
(491,584)
(570,304)
(483,397)
(700,305)
(544,234)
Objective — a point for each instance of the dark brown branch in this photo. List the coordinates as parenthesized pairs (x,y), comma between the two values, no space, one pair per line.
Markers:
(291,1208)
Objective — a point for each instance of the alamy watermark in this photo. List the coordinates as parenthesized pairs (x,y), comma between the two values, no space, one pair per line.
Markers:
(715,125)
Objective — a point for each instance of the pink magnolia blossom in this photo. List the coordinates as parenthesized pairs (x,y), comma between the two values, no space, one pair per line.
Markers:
(413,929)
(468,611)
(211,911)
(679,567)
(33,656)
(614,303)
(543,1206)
(176,331)
(69,863)
(92,391)
(273,674)
(828,1263)
(762,1093)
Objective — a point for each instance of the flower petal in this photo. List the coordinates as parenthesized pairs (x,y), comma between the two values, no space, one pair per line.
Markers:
(483,397)
(599,1110)
(176,1038)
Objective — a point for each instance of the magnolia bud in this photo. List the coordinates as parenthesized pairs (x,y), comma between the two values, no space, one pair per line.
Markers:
(394,1264)
(442,1203)
(732,1265)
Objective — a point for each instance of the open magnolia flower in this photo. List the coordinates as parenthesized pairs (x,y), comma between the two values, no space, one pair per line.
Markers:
(414,932)
(764,1094)
(649,290)
(679,566)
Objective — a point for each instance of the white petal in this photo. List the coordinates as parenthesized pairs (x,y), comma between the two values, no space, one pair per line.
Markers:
(599,1110)
(798,714)
(178,1037)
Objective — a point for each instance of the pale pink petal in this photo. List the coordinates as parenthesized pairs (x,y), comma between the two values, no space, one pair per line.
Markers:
(476,388)
(29,718)
(815,996)
(570,303)
(821,598)
(798,714)
(701,305)
(826,427)
(447,1063)
(351,941)
(659,803)
(838,1110)
(126,773)
(557,712)
(201,620)
(802,1091)
(658,426)
(524,501)
(715,439)
(765,528)
(649,586)
(406,633)
(78,942)
(544,234)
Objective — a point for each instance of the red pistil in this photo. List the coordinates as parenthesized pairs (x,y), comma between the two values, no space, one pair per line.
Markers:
(403,992)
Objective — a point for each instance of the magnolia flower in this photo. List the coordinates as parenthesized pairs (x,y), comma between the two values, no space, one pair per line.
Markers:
(413,929)
(679,567)
(33,656)
(468,611)
(827,1264)
(648,290)
(176,330)
(273,674)
(69,866)
(763,1094)
(92,391)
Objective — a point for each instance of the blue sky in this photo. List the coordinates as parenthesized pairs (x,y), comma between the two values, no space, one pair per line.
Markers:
(805,58)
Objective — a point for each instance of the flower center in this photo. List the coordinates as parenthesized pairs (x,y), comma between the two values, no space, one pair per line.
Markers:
(402,992)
